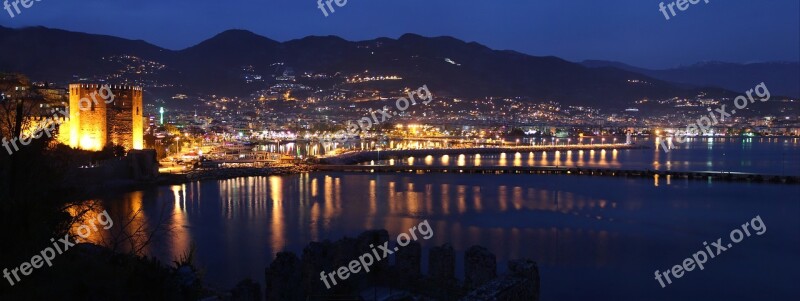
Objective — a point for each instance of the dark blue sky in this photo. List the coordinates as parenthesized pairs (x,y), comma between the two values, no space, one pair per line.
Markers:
(631,31)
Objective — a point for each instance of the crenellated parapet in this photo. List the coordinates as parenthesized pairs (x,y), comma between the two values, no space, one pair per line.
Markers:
(105,114)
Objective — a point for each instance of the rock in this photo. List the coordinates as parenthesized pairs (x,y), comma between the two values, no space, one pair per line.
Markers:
(480,266)
(408,261)
(317,257)
(372,239)
(283,278)
(442,264)
(528,270)
(247,290)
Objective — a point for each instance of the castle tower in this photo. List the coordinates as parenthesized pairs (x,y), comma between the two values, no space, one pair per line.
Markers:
(96,121)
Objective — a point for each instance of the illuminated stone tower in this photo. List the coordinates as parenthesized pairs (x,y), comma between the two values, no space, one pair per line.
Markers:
(96,121)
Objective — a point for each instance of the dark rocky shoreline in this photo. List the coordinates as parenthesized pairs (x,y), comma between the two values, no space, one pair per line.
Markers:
(290,277)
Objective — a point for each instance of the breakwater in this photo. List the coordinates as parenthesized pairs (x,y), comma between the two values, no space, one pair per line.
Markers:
(692,175)
(366,156)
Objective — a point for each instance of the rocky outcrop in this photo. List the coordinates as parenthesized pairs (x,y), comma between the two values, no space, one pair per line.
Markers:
(291,278)
(480,266)
(522,283)
(442,265)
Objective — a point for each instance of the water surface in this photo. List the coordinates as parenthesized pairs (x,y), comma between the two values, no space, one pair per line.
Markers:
(592,236)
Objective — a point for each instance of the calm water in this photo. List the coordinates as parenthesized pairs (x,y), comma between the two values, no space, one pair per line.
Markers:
(592,236)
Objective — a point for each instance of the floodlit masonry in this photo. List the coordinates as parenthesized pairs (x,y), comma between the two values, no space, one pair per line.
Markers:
(93,124)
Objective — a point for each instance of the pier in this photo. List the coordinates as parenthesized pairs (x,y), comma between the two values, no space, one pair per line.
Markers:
(366,156)
(691,175)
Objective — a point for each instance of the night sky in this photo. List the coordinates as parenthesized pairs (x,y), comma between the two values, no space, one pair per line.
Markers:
(630,31)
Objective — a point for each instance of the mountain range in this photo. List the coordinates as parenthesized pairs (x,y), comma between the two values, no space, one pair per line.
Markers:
(450,66)
(783,78)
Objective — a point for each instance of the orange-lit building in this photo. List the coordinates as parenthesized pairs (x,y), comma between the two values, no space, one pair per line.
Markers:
(118,122)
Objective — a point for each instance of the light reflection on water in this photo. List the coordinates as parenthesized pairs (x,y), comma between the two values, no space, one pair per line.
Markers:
(619,229)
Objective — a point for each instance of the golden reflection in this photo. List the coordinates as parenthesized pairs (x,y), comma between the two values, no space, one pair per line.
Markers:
(314,187)
(328,208)
(176,192)
(137,220)
(517,159)
(445,160)
(128,221)
(277,220)
(391,161)
(429,160)
(338,194)
(410,160)
(461,160)
(373,205)
(530,159)
(180,237)
(569,161)
(516,199)
(544,162)
(655,179)
(412,200)
(603,161)
(476,198)
(462,198)
(90,227)
(477,159)
(502,198)
(181,240)
(315,216)
(502,161)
